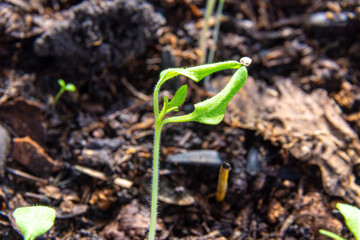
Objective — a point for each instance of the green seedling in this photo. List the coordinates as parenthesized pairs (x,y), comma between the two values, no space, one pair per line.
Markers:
(34,221)
(64,87)
(352,220)
(210,111)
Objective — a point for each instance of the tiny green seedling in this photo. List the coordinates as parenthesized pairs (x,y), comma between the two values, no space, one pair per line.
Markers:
(352,219)
(210,111)
(34,221)
(64,87)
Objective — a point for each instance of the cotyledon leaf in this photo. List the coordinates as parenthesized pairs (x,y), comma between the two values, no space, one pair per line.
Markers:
(199,72)
(34,221)
(212,110)
(70,87)
(61,82)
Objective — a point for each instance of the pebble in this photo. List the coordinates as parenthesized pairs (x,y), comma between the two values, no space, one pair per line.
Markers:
(197,157)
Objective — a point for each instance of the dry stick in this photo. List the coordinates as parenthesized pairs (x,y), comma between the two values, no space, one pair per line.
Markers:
(209,9)
(215,37)
(134,91)
(216,30)
(26,175)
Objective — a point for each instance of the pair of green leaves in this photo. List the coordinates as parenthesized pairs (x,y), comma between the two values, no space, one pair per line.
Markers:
(210,111)
(69,87)
(351,215)
(64,87)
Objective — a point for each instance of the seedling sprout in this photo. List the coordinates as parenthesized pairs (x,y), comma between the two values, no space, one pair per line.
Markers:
(64,87)
(210,111)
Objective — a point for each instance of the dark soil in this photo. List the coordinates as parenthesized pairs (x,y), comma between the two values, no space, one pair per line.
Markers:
(90,156)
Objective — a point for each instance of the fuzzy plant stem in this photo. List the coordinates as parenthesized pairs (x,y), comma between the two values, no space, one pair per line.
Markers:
(155,181)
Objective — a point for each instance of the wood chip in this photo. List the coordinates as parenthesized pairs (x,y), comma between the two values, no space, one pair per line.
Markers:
(25,118)
(100,175)
(32,156)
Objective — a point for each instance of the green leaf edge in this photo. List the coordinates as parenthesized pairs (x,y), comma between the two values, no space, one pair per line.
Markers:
(351,215)
(46,215)
(331,234)
(198,72)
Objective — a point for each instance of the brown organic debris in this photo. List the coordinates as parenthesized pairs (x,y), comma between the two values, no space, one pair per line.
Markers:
(309,126)
(32,156)
(25,118)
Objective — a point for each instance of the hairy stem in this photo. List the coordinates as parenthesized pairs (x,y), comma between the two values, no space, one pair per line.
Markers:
(155,181)
(156,101)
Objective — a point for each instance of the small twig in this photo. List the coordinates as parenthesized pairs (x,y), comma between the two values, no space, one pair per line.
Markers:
(134,91)
(26,175)
(216,31)
(215,38)
(209,9)
(288,221)
(100,175)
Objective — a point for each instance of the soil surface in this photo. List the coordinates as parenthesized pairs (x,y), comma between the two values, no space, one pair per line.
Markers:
(290,135)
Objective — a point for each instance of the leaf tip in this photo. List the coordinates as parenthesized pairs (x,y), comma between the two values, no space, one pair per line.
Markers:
(61,82)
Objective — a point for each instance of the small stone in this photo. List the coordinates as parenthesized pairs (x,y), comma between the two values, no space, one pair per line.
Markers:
(246,61)
(197,157)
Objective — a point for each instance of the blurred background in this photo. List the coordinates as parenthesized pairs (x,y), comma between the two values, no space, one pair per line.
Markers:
(290,135)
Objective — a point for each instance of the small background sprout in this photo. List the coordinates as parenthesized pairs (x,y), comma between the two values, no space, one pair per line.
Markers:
(64,87)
